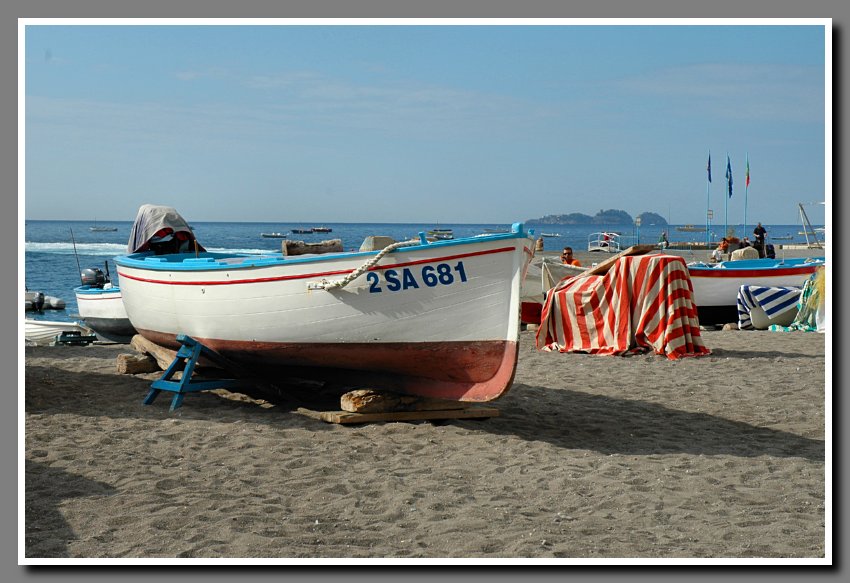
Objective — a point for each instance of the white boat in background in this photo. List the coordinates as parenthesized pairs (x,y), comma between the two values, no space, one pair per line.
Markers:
(437,319)
(606,242)
(544,273)
(101,307)
(716,285)
(44,332)
(691,229)
(441,234)
(273,235)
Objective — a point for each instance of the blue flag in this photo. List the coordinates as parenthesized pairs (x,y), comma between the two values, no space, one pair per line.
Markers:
(729,176)
(709,167)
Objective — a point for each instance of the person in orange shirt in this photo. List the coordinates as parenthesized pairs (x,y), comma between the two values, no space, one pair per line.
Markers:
(568,259)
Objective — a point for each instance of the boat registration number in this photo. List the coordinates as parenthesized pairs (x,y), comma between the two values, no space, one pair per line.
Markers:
(429,276)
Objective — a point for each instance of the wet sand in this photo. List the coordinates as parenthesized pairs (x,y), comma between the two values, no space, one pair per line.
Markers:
(591,457)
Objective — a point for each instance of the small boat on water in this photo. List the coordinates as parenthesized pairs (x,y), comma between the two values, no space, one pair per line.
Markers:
(321,230)
(101,307)
(103,229)
(273,235)
(437,319)
(550,234)
(441,234)
(45,332)
(691,229)
(716,286)
(301,231)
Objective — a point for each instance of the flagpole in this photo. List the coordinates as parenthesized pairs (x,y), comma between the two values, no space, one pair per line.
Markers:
(746,190)
(726,199)
(708,204)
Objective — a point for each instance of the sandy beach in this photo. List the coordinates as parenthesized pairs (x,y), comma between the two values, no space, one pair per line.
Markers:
(591,457)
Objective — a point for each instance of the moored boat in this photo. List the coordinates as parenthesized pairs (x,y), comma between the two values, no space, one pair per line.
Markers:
(691,229)
(441,234)
(437,319)
(101,307)
(606,242)
(716,285)
(44,332)
(273,235)
(321,230)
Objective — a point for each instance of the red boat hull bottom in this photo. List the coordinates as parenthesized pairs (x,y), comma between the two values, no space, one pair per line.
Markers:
(474,371)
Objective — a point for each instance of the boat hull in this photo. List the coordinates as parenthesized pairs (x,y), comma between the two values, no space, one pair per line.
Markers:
(103,311)
(44,332)
(435,319)
(716,286)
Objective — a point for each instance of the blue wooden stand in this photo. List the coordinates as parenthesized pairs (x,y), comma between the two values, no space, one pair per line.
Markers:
(187,357)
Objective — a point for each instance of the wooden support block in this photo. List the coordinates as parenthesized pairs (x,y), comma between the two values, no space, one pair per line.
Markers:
(164,356)
(369,401)
(136,363)
(302,248)
(347,418)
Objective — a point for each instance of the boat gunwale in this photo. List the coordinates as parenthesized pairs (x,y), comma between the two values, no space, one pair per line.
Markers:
(751,267)
(216,261)
(96,291)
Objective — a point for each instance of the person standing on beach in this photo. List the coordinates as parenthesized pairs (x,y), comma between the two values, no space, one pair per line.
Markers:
(760,233)
(567,257)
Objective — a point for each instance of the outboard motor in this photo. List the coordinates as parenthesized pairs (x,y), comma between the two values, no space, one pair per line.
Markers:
(92,277)
(770,251)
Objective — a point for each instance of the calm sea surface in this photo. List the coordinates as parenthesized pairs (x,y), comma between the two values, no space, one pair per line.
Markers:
(51,256)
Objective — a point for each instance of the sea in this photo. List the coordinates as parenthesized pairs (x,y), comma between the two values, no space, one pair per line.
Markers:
(56,251)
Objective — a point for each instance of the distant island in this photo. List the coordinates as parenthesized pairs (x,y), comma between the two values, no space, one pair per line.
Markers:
(603,217)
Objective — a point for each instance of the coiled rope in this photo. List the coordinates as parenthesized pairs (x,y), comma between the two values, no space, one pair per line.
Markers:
(340,283)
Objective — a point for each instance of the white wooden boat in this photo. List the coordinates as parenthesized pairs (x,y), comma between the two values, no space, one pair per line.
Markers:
(716,285)
(102,310)
(101,306)
(438,319)
(607,242)
(544,273)
(44,332)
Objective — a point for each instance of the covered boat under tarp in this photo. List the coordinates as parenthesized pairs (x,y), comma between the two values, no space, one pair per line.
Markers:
(162,230)
(642,303)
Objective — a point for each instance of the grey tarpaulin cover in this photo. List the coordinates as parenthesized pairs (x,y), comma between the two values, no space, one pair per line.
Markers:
(150,219)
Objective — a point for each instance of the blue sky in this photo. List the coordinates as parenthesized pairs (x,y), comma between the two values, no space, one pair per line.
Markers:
(417,123)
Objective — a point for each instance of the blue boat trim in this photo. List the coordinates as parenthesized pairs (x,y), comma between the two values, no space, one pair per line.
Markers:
(208,261)
(96,291)
(760,264)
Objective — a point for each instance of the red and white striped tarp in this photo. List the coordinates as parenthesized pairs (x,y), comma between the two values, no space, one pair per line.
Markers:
(643,303)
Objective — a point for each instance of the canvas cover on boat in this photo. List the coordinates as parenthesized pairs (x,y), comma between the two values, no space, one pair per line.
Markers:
(775,301)
(150,220)
(642,303)
(811,306)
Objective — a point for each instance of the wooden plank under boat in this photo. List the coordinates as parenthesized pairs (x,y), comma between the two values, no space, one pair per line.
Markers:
(436,319)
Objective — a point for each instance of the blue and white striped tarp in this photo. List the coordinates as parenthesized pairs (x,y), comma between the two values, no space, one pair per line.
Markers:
(773,300)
